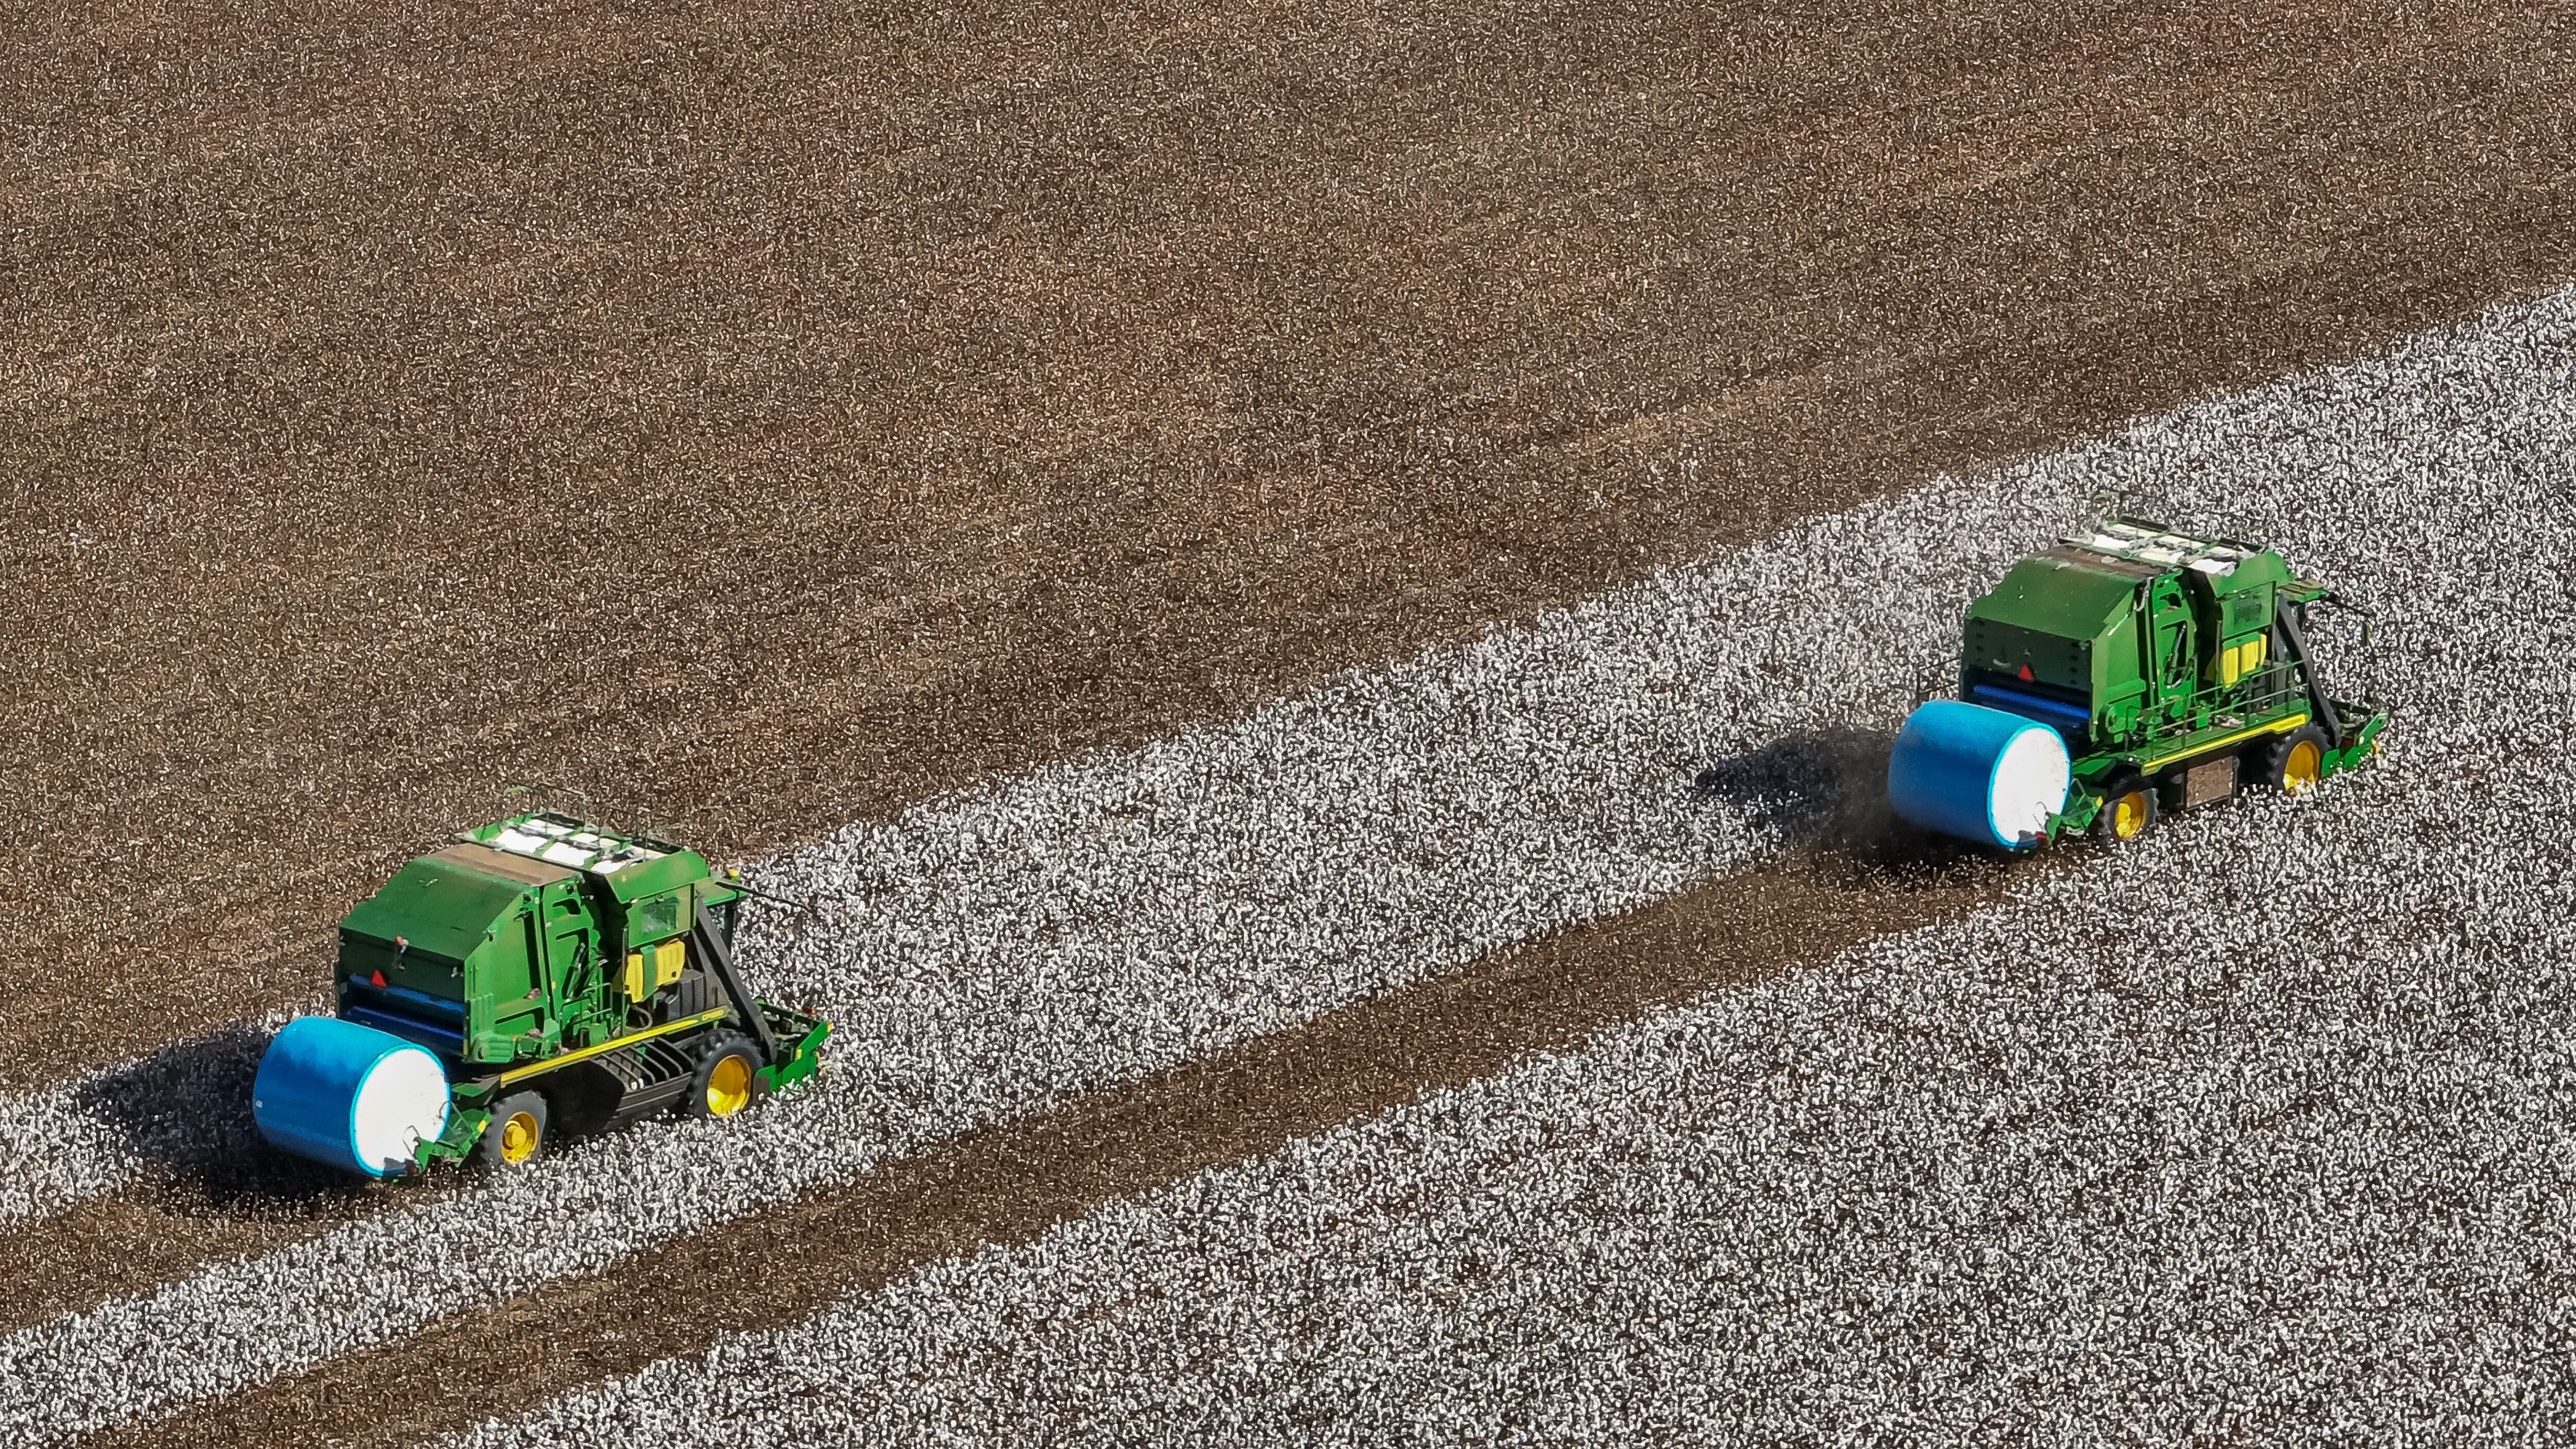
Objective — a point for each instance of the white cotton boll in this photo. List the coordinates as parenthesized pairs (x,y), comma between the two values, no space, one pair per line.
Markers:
(2253,1132)
(998,951)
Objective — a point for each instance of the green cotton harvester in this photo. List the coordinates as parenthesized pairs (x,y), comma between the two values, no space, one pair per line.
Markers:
(539,976)
(2127,672)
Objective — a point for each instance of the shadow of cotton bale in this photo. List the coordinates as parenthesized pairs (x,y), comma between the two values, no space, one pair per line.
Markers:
(1810,785)
(184,1111)
(1825,791)
(185,1103)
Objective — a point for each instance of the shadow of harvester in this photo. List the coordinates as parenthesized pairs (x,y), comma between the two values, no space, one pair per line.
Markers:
(184,1111)
(1825,791)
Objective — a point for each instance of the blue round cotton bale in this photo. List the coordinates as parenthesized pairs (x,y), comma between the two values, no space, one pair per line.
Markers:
(349,1095)
(1977,773)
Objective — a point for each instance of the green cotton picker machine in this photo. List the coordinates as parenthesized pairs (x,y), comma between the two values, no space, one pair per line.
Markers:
(541,975)
(2124,673)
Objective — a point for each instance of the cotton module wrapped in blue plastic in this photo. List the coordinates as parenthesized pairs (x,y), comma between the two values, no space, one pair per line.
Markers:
(349,1095)
(1977,773)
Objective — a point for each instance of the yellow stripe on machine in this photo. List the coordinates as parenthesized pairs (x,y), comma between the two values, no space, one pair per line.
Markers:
(519,1074)
(2276,727)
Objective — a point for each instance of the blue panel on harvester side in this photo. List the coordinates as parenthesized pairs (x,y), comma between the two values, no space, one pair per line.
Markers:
(2046,711)
(448,1039)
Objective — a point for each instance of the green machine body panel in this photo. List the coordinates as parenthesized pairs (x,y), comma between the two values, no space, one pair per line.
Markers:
(546,953)
(2153,653)
(447,954)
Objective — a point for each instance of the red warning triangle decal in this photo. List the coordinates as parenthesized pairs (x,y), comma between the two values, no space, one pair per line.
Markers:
(378,978)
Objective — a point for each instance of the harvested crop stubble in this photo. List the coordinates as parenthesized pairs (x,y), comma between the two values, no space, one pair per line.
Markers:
(1278,844)
(2255,1133)
(765,416)
(1100,920)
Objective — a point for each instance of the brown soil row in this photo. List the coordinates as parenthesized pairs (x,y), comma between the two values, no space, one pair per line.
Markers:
(1008,1184)
(750,423)
(128,1244)
(197,1208)
(173,1223)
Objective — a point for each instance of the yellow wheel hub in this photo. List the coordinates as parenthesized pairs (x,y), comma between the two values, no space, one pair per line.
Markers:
(2129,816)
(2299,771)
(519,1137)
(728,1087)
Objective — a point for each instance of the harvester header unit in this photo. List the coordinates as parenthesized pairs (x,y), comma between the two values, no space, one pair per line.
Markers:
(2127,672)
(539,975)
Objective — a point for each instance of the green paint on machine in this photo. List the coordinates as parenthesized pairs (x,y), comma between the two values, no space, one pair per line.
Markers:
(544,954)
(2174,668)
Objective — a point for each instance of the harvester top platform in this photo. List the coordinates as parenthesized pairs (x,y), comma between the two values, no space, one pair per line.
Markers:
(631,865)
(2160,549)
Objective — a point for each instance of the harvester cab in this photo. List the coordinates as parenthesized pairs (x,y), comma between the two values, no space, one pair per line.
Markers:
(2128,672)
(539,975)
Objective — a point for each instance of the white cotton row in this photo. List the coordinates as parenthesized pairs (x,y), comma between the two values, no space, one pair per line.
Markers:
(999,950)
(55,1151)
(2261,1132)
(184,1105)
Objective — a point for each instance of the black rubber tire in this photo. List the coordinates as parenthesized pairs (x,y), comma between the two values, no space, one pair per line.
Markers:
(704,1099)
(2140,793)
(2273,761)
(496,1148)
